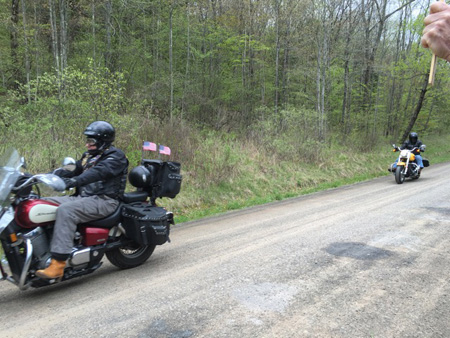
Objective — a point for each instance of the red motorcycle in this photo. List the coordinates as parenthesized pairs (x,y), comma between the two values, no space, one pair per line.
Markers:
(128,237)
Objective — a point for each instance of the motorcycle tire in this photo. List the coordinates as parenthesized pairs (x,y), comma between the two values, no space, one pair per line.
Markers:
(399,176)
(130,256)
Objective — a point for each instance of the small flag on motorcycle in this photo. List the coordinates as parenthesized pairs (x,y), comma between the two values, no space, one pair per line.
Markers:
(149,146)
(164,150)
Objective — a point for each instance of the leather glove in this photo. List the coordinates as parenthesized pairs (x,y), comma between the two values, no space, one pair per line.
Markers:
(70,183)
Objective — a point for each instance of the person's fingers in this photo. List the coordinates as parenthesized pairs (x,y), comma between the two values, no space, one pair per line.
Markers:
(438,11)
(438,6)
(428,34)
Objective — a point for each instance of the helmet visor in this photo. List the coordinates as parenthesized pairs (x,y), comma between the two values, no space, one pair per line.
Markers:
(91,141)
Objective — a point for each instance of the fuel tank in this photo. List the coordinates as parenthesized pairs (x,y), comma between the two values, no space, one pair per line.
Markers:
(33,213)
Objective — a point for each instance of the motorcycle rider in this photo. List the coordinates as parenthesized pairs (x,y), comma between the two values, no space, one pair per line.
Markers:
(413,142)
(100,179)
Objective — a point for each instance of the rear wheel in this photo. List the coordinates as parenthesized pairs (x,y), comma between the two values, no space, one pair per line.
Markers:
(399,176)
(130,255)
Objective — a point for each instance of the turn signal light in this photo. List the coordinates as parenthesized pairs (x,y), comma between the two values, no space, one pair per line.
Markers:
(13,237)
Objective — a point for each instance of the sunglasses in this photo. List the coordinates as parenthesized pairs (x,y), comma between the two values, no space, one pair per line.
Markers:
(91,141)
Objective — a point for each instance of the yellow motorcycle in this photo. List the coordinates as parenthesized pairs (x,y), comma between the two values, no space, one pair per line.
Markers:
(406,166)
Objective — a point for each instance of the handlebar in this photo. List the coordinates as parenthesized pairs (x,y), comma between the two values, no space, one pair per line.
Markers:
(419,149)
(51,180)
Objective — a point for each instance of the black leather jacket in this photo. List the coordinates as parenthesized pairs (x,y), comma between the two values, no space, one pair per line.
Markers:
(105,175)
(410,146)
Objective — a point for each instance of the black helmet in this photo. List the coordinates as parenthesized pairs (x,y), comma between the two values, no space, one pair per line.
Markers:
(413,137)
(140,177)
(103,133)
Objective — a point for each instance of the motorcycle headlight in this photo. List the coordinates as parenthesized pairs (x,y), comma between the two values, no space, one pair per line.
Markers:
(404,153)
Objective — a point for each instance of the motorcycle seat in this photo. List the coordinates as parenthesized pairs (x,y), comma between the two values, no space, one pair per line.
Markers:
(108,221)
(115,217)
(135,196)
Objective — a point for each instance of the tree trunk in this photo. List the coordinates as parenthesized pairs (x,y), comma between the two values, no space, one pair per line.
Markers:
(188,57)
(156,22)
(36,51)
(171,59)
(64,45)
(322,66)
(27,51)
(108,53)
(284,93)
(345,116)
(55,48)
(323,84)
(14,44)
(94,51)
(277,56)
(413,119)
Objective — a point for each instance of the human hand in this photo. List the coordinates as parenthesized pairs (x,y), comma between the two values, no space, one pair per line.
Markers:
(436,34)
(70,182)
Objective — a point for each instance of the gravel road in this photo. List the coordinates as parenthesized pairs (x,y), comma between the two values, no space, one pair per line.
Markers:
(365,260)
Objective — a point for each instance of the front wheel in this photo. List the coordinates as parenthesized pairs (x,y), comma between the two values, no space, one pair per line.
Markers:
(399,175)
(130,256)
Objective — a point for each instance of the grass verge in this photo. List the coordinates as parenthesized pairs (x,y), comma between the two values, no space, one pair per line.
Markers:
(259,179)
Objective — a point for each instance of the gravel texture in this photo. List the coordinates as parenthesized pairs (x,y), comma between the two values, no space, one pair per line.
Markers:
(365,260)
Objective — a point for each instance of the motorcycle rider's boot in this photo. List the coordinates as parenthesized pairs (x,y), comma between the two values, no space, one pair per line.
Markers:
(54,270)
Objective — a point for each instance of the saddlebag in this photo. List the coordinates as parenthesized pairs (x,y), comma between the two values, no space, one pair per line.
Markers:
(164,177)
(146,224)
(425,162)
(170,180)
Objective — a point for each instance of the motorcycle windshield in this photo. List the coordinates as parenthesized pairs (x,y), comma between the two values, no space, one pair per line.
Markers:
(10,163)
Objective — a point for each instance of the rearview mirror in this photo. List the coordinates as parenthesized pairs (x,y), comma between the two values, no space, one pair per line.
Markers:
(23,164)
(69,164)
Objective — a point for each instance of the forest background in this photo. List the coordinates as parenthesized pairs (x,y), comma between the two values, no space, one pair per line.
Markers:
(258,99)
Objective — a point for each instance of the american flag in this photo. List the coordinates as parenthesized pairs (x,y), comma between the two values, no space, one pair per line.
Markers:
(164,150)
(150,146)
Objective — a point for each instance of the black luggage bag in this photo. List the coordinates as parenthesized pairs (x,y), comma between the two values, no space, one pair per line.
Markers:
(146,224)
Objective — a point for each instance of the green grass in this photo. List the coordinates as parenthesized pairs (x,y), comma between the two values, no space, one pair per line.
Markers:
(222,171)
(225,174)
(237,204)
(250,186)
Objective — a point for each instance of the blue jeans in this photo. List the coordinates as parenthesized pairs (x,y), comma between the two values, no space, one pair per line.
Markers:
(418,160)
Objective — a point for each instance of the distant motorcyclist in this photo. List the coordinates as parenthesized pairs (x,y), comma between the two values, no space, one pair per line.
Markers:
(411,143)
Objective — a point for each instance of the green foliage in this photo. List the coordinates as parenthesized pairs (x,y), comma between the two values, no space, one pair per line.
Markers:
(290,133)
(241,82)
(227,60)
(96,86)
(76,99)
(259,176)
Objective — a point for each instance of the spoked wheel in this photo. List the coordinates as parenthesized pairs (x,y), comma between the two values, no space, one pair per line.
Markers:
(130,256)
(399,175)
